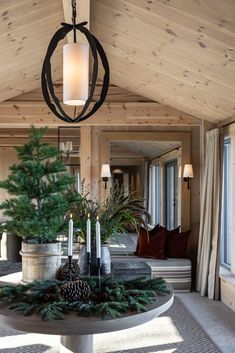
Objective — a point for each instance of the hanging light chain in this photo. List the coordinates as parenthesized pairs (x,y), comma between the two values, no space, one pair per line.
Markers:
(74,15)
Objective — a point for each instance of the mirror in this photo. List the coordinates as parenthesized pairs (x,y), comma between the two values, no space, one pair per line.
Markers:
(139,155)
(150,169)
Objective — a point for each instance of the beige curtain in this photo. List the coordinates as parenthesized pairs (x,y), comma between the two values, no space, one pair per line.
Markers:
(207,260)
(146,185)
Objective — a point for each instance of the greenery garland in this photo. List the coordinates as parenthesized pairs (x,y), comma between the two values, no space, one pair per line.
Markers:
(115,297)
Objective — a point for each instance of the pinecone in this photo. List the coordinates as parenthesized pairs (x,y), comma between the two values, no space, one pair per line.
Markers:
(75,291)
(64,272)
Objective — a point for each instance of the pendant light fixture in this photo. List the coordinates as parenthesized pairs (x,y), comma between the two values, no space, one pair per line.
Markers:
(75,72)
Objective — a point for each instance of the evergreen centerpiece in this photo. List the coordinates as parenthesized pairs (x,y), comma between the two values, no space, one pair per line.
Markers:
(52,299)
(38,203)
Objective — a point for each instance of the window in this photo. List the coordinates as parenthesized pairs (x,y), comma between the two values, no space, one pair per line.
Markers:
(171,199)
(226,207)
(154,193)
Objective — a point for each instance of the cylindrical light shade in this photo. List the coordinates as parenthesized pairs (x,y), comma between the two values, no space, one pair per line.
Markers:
(105,171)
(75,73)
(188,171)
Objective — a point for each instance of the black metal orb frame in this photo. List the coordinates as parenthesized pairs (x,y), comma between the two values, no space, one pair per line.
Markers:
(46,77)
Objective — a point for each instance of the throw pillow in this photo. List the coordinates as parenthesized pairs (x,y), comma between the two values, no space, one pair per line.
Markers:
(174,231)
(152,247)
(156,229)
(142,241)
(156,246)
(176,244)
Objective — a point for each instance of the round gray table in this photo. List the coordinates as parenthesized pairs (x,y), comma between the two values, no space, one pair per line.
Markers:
(77,332)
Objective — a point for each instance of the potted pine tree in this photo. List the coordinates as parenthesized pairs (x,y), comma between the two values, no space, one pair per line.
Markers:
(37,205)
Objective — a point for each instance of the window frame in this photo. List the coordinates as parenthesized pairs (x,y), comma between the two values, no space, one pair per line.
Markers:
(171,163)
(225,233)
(155,193)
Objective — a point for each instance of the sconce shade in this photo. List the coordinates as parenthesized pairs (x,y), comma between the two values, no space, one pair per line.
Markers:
(62,146)
(105,171)
(188,171)
(117,171)
(75,73)
(69,146)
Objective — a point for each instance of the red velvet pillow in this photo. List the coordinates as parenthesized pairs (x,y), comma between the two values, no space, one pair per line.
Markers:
(176,244)
(152,247)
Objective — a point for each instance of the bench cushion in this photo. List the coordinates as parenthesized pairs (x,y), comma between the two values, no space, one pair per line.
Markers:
(128,270)
(176,272)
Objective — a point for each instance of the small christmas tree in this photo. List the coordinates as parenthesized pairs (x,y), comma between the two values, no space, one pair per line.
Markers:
(38,186)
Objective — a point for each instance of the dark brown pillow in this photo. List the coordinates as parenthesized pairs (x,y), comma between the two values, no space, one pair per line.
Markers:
(152,247)
(142,241)
(156,229)
(176,244)
(174,231)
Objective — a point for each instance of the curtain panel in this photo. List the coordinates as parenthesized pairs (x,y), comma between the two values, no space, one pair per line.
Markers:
(207,282)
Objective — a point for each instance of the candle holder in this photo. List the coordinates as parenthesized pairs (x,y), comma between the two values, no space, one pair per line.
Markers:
(84,261)
(99,273)
(70,266)
(89,263)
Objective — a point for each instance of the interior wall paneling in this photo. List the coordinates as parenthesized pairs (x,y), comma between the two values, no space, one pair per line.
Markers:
(85,157)
(8,156)
(22,114)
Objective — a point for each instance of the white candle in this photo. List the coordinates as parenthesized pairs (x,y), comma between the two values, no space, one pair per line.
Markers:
(98,241)
(78,182)
(88,234)
(70,239)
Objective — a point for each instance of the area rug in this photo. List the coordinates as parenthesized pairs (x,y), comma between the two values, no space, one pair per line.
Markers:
(174,332)
(8,267)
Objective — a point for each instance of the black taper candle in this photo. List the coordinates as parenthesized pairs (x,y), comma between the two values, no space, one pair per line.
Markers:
(70,266)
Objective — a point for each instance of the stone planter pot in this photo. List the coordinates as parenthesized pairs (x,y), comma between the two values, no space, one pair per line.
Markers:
(40,261)
(105,261)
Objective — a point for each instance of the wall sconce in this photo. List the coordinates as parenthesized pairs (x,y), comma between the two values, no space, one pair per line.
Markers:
(66,148)
(117,171)
(68,143)
(188,173)
(105,174)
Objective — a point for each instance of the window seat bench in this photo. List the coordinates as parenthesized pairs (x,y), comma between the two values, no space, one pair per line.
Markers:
(177,272)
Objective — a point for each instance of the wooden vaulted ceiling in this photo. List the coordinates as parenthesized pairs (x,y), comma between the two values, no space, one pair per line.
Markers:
(177,52)
(26,27)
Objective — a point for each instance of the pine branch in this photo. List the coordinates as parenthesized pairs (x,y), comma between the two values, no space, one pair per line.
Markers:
(116,297)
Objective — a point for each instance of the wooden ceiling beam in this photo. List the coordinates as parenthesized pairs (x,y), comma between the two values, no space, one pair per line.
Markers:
(21,114)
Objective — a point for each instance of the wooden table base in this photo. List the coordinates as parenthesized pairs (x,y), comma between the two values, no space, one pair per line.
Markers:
(78,343)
